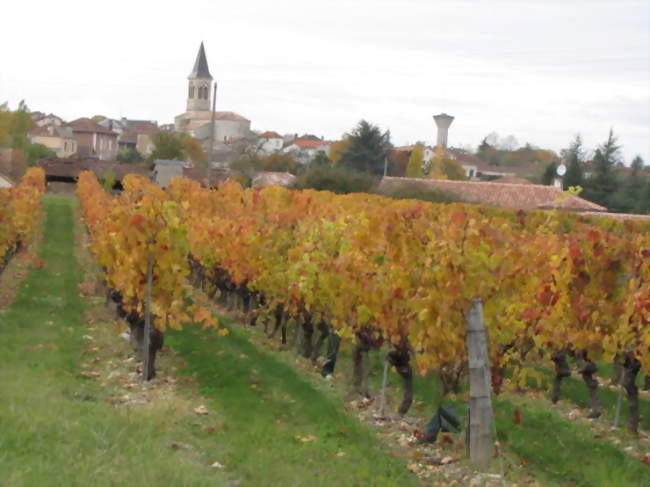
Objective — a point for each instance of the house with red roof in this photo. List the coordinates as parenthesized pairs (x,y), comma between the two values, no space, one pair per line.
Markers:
(270,141)
(305,149)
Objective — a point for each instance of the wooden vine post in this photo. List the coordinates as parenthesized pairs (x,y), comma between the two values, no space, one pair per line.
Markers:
(479,431)
(146,364)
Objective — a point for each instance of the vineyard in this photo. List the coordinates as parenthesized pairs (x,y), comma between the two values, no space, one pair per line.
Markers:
(379,272)
(345,279)
(20,214)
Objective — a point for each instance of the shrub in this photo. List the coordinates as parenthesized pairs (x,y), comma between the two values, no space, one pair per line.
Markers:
(335,179)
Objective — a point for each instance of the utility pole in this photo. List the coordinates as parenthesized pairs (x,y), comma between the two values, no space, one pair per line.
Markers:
(214,103)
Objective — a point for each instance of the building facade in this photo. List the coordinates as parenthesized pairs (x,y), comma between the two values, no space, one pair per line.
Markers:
(93,140)
(57,138)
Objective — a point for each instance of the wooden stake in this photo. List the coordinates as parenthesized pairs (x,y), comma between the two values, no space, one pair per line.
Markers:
(480,442)
(147,320)
(382,403)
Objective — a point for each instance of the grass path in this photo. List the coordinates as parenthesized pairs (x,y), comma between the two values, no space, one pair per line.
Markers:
(282,430)
(54,428)
(59,427)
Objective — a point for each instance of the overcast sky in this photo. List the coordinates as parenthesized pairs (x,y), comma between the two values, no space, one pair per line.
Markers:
(539,70)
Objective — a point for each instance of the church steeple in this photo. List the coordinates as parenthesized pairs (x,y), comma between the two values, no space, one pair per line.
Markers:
(199,84)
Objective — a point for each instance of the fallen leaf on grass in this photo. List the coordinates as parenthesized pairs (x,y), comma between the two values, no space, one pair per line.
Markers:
(306,439)
(201,409)
(89,374)
(179,446)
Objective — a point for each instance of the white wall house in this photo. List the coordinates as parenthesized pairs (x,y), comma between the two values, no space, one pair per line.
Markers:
(270,142)
(304,151)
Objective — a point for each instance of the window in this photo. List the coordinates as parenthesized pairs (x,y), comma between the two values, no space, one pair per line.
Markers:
(191,92)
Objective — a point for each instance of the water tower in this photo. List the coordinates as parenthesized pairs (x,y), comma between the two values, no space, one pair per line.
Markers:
(443,121)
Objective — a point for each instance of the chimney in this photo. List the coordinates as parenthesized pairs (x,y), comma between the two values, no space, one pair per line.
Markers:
(443,121)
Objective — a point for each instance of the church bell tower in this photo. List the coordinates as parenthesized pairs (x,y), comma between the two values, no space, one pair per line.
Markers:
(199,84)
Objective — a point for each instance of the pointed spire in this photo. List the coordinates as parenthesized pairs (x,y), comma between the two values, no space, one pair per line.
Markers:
(201,69)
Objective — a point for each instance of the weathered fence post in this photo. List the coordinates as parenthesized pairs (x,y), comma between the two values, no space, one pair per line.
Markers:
(479,431)
(147,321)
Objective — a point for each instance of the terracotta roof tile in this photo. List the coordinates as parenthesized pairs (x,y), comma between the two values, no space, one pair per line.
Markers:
(87,125)
(270,135)
(308,144)
(514,196)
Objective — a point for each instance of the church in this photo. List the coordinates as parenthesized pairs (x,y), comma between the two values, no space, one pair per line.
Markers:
(197,119)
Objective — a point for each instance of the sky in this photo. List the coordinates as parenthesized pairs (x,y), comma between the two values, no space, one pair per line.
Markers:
(539,70)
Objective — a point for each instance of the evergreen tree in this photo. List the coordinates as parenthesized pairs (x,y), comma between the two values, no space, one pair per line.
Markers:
(643,205)
(367,150)
(549,174)
(602,184)
(630,189)
(573,157)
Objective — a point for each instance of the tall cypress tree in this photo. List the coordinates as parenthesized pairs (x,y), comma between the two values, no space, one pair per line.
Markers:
(367,150)
(573,157)
(602,184)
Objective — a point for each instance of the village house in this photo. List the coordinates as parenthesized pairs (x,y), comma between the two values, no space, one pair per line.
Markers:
(42,120)
(59,139)
(93,140)
(270,142)
(136,134)
(304,149)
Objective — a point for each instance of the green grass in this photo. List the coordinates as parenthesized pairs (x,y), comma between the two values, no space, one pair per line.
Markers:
(574,390)
(268,406)
(552,448)
(55,429)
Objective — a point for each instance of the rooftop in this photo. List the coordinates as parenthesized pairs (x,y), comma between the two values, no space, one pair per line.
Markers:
(505,195)
(87,125)
(70,168)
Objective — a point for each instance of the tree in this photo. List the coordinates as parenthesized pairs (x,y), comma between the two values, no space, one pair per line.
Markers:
(335,179)
(34,152)
(338,148)
(643,205)
(167,145)
(453,169)
(442,166)
(282,162)
(629,194)
(175,146)
(573,157)
(602,183)
(368,149)
(548,176)
(129,155)
(194,151)
(414,168)
(320,159)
